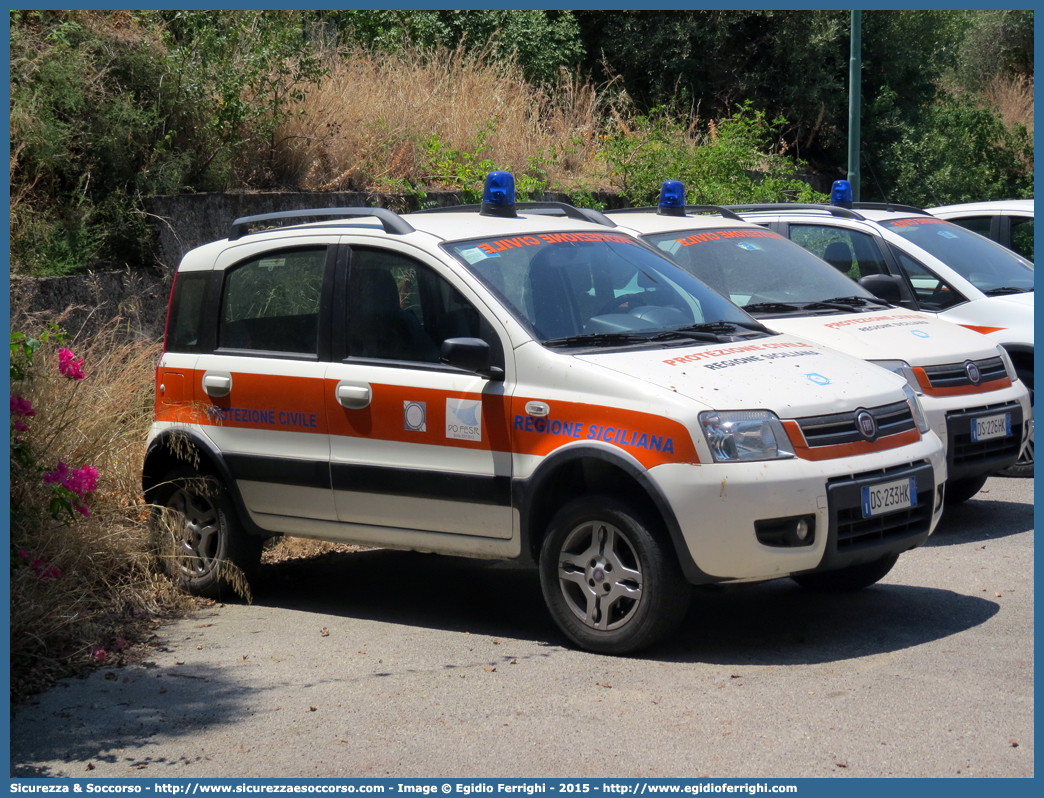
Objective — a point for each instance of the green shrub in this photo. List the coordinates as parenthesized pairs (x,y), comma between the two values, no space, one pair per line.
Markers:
(959,152)
(733,162)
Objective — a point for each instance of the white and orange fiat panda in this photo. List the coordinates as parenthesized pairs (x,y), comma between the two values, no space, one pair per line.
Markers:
(499,381)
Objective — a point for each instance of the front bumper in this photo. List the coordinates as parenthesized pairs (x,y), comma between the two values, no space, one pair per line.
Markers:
(950,418)
(718,505)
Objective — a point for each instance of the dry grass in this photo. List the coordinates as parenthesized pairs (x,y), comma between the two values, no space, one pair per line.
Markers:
(109,589)
(370,123)
(1013,98)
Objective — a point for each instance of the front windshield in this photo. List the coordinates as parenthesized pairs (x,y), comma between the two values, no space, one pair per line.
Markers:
(564,285)
(988,266)
(753,266)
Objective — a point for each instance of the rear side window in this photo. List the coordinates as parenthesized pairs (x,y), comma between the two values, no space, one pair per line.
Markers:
(1022,236)
(185,324)
(271,303)
(977,224)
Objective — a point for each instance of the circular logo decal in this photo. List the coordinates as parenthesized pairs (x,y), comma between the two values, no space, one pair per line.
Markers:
(974,375)
(415,416)
(867,424)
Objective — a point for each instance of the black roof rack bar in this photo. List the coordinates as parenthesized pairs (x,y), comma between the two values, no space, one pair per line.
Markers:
(718,209)
(833,210)
(889,206)
(567,210)
(390,220)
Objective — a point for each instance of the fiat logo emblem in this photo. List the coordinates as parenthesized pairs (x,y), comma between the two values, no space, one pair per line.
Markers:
(867,424)
(974,375)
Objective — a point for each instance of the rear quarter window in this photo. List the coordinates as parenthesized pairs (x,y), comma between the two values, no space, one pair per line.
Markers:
(185,324)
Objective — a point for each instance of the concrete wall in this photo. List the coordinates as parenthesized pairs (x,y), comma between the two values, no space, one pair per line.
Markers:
(137,298)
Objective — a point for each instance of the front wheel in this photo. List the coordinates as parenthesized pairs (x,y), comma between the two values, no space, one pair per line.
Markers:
(199,537)
(847,580)
(1023,467)
(610,583)
(960,490)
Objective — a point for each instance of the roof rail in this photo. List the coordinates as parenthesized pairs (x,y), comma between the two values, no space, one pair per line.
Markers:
(833,210)
(718,209)
(567,210)
(390,220)
(889,206)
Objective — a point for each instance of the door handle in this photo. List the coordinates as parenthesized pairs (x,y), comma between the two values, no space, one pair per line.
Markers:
(353,395)
(217,383)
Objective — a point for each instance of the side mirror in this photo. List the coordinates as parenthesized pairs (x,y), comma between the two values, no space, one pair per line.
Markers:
(883,286)
(471,354)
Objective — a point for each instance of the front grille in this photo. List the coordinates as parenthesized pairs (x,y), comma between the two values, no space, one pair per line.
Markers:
(963,452)
(842,427)
(853,533)
(954,375)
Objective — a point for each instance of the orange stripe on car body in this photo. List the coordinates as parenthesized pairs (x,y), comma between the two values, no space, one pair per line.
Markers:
(506,427)
(983,330)
(839,450)
(998,384)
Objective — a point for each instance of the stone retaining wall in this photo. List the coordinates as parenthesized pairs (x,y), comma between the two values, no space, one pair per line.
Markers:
(138,297)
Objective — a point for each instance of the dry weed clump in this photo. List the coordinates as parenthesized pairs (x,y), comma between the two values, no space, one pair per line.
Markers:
(382,121)
(83,589)
(1013,99)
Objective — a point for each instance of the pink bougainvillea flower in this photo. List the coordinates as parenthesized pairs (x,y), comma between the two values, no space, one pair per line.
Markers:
(69,366)
(98,653)
(83,480)
(59,475)
(23,554)
(21,407)
(80,481)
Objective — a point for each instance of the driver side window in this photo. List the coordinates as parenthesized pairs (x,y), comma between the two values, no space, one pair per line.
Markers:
(931,291)
(399,309)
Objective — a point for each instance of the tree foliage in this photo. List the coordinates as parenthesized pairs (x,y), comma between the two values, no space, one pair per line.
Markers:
(542,42)
(108,107)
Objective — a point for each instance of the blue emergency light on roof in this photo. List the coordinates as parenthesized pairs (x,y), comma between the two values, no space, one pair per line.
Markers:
(841,194)
(498,195)
(672,198)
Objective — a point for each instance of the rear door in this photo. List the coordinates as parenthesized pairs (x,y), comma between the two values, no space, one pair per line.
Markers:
(260,386)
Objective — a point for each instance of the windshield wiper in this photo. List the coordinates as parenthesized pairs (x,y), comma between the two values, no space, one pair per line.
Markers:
(597,339)
(1006,289)
(857,300)
(771,307)
(725,327)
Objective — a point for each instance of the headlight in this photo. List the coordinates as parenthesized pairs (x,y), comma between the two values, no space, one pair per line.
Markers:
(916,409)
(1008,365)
(745,435)
(902,368)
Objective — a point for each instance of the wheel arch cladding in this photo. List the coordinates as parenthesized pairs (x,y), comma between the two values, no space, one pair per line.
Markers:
(177,448)
(587,470)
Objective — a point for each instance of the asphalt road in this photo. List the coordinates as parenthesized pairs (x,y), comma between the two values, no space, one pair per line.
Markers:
(393,664)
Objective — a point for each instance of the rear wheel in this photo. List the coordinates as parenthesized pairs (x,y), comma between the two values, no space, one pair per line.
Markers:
(200,539)
(847,580)
(960,490)
(610,583)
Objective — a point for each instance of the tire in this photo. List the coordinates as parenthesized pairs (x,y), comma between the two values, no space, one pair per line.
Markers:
(199,537)
(960,490)
(850,579)
(1023,467)
(610,583)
